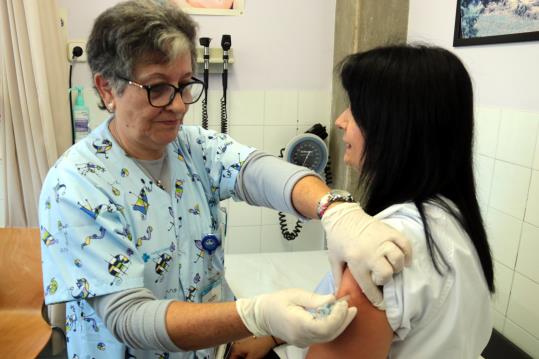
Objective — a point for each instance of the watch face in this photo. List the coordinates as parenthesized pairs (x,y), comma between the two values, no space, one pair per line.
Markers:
(340,192)
(308,151)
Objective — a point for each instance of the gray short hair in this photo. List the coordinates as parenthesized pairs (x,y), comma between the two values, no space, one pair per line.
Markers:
(137,32)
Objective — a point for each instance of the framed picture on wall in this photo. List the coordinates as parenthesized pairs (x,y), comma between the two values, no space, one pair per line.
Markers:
(479,22)
(212,7)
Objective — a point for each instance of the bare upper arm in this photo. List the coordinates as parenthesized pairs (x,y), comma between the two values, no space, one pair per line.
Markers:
(368,336)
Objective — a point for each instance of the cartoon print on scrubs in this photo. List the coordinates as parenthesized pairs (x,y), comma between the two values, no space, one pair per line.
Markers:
(118,267)
(145,237)
(117,241)
(59,190)
(81,290)
(125,233)
(51,287)
(179,189)
(103,148)
(162,264)
(115,190)
(89,167)
(172,222)
(88,239)
(190,295)
(47,238)
(141,205)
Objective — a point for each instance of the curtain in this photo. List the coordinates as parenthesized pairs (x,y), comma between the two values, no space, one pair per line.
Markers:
(34,110)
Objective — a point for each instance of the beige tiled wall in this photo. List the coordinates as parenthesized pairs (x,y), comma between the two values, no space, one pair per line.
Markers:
(507,173)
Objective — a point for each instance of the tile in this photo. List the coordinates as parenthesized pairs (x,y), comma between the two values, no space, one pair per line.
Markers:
(246,108)
(503,278)
(281,108)
(527,254)
(483,170)
(523,309)
(248,135)
(498,320)
(483,208)
(244,239)
(518,132)
(521,338)
(270,216)
(214,127)
(273,241)
(242,214)
(532,207)
(504,236)
(314,107)
(311,237)
(536,155)
(510,188)
(277,137)
(487,122)
(302,128)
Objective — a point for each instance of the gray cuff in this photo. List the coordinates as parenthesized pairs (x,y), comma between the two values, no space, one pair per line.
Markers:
(136,318)
(265,180)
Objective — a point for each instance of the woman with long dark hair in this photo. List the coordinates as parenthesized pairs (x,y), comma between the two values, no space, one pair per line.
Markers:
(409,133)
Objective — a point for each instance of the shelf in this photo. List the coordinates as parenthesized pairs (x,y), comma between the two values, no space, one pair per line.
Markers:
(216,60)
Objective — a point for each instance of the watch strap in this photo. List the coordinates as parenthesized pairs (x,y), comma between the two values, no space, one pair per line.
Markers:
(332,197)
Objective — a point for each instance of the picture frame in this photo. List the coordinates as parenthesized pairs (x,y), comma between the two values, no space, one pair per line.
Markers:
(482,22)
(212,7)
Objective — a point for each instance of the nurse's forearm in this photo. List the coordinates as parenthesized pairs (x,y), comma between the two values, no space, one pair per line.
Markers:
(194,326)
(306,194)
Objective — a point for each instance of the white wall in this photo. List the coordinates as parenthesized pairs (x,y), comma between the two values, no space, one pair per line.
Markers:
(505,80)
(277,44)
(280,84)
(505,75)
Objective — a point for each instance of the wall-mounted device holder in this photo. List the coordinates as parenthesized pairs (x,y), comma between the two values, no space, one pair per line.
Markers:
(215,61)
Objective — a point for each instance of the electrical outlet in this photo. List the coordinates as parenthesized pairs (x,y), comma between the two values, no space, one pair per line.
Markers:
(71,45)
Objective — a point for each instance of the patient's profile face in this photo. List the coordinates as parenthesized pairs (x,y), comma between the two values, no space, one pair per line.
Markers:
(353,139)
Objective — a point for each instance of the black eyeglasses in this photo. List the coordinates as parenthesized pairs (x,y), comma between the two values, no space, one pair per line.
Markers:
(162,95)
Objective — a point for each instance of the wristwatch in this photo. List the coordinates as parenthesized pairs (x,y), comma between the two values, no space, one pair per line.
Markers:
(332,196)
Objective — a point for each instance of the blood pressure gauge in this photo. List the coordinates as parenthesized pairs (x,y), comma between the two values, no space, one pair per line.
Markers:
(307,150)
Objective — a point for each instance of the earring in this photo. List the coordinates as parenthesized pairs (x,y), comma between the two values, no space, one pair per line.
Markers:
(110,106)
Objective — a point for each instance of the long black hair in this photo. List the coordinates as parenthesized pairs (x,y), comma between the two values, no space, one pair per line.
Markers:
(414,106)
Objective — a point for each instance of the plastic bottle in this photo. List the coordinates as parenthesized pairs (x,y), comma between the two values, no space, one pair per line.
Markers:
(81,115)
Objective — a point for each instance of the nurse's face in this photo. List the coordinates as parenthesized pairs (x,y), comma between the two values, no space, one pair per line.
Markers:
(142,130)
(353,139)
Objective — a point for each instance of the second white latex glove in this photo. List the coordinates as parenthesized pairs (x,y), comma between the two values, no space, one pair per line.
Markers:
(372,250)
(283,314)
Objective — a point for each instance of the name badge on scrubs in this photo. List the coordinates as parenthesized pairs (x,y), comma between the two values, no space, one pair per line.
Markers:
(213,292)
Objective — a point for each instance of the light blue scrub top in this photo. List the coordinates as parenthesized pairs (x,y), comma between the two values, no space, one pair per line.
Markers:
(106,227)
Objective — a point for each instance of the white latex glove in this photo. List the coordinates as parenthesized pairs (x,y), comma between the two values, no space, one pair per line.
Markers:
(372,250)
(283,314)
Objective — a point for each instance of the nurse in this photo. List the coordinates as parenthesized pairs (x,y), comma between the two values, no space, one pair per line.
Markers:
(130,219)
